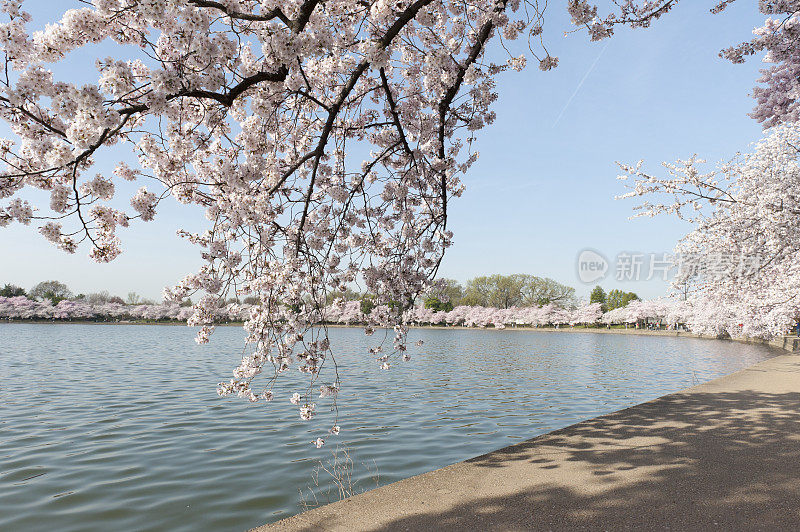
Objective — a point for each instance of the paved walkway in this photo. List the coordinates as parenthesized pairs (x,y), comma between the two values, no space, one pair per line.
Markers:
(720,456)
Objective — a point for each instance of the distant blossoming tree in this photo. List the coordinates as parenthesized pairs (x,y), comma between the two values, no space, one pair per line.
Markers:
(324,139)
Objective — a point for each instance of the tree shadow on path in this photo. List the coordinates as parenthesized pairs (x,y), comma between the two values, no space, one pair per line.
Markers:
(696,460)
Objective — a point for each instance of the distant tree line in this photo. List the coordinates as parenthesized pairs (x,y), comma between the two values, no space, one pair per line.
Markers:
(502,292)
(492,291)
(56,291)
(496,291)
(613,300)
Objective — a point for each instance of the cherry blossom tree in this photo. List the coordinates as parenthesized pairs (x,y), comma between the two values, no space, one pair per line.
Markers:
(739,266)
(587,314)
(20,307)
(743,255)
(253,110)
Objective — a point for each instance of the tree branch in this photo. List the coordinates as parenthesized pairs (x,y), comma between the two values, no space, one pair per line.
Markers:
(273,14)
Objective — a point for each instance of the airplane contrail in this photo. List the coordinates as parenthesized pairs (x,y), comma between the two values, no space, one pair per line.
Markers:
(581,84)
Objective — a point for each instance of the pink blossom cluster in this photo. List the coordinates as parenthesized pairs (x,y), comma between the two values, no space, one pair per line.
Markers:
(22,308)
(778,98)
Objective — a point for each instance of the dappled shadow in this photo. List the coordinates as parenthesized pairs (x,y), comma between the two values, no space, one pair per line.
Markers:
(693,460)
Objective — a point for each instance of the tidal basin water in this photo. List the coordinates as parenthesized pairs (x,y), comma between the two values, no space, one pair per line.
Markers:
(119,426)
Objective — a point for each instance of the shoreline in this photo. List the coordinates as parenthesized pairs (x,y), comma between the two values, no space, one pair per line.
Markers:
(724,454)
(786,343)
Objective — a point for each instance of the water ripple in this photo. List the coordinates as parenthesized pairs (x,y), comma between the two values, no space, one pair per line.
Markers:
(119,426)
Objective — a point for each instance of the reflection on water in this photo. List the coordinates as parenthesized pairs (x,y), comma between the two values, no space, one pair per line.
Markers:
(106,426)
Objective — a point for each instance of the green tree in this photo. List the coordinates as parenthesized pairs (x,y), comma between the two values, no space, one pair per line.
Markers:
(12,290)
(446,291)
(54,291)
(617,299)
(519,289)
(598,295)
(507,290)
(479,291)
(500,291)
(98,298)
(367,304)
(540,291)
(436,304)
(347,294)
(470,300)
(402,305)
(628,297)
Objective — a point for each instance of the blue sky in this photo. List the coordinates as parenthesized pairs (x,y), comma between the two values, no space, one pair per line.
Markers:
(544,186)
